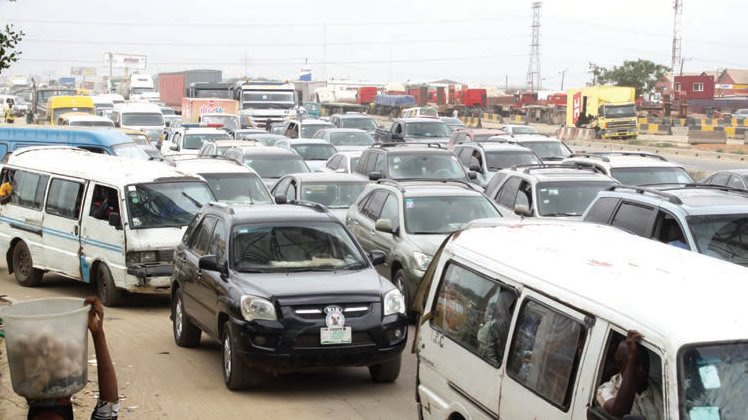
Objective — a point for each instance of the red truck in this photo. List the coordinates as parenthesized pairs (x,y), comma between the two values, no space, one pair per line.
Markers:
(366,95)
(174,86)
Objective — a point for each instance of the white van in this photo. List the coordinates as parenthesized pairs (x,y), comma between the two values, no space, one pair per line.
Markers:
(140,116)
(522,321)
(101,219)
(419,112)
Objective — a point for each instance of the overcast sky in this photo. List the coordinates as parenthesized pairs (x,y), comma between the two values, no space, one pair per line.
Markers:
(482,41)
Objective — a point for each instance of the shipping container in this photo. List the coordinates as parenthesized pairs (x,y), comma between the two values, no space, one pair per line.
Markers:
(175,85)
(192,108)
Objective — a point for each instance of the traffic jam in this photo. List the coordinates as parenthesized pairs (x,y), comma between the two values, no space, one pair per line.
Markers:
(479,252)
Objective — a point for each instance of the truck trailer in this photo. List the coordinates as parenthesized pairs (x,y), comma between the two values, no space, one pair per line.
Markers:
(609,110)
(175,86)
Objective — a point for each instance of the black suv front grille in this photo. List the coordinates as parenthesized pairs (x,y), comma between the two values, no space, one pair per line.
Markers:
(350,310)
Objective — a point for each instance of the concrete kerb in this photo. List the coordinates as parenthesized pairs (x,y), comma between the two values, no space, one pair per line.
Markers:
(673,151)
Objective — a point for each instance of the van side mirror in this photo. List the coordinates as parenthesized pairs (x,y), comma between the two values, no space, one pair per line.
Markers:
(174,146)
(115,220)
(377,257)
(208,263)
(280,198)
(384,225)
(522,210)
(117,124)
(375,176)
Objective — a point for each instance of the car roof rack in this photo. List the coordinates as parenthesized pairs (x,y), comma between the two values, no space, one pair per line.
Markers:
(590,156)
(629,153)
(529,168)
(222,206)
(172,160)
(672,198)
(465,184)
(308,204)
(709,187)
(398,144)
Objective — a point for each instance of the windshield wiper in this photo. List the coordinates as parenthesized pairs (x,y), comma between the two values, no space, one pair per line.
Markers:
(303,269)
(195,202)
(560,213)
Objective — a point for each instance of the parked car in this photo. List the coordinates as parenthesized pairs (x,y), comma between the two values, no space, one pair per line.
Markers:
(230,181)
(346,139)
(544,191)
(342,162)
(284,288)
(707,219)
(336,191)
(454,124)
(549,149)
(415,130)
(526,320)
(474,135)
(404,161)
(735,178)
(487,159)
(139,138)
(271,163)
(304,129)
(633,168)
(315,152)
(188,139)
(219,147)
(354,120)
(410,220)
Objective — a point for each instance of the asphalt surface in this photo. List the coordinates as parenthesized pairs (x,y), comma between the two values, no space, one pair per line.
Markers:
(158,380)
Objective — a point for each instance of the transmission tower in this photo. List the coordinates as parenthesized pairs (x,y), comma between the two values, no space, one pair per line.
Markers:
(676,59)
(533,70)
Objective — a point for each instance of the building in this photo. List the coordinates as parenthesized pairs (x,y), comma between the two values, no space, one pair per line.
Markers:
(732,82)
(694,86)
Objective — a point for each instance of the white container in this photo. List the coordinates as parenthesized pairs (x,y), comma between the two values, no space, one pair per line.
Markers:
(47,344)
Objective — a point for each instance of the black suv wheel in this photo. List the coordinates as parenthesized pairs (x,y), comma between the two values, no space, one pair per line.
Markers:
(186,334)
(386,372)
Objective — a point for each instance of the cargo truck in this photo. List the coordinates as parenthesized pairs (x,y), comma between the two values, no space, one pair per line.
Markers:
(266,101)
(193,108)
(175,86)
(392,104)
(610,110)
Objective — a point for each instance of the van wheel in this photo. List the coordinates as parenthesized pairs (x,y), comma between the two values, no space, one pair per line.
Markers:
(105,288)
(23,266)
(186,334)
(386,372)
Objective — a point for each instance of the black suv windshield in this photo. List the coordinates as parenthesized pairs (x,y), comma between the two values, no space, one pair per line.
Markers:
(426,166)
(722,236)
(276,167)
(294,247)
(166,204)
(238,188)
(567,198)
(441,215)
(362,123)
(712,381)
(334,195)
(657,175)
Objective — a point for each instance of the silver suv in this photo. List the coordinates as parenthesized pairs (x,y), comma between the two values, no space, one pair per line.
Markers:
(707,219)
(411,220)
(633,168)
(489,158)
(546,191)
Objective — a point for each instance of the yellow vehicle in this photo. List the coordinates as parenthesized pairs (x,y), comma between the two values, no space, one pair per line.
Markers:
(610,110)
(58,105)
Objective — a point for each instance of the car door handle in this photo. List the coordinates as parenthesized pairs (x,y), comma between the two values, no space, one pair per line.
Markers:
(75,230)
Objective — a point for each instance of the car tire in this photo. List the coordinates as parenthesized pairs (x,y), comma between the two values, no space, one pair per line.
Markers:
(386,372)
(234,371)
(399,281)
(23,266)
(107,292)
(186,334)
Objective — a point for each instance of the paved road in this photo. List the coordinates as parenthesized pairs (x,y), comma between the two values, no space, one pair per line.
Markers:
(162,381)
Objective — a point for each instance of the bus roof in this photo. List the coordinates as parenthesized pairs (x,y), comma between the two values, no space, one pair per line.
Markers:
(78,163)
(42,135)
(678,296)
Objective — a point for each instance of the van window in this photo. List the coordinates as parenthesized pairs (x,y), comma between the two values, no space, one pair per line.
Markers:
(28,189)
(545,352)
(104,202)
(64,198)
(475,312)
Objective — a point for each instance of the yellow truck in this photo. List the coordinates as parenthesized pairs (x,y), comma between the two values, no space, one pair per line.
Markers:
(610,110)
(58,105)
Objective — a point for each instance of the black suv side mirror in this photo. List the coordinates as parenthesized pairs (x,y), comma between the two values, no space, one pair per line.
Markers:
(115,220)
(377,257)
(208,263)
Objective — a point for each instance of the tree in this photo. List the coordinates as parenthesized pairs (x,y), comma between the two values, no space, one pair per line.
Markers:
(640,74)
(9,39)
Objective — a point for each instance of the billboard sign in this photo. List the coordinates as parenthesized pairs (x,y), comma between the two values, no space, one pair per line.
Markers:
(83,71)
(576,106)
(129,61)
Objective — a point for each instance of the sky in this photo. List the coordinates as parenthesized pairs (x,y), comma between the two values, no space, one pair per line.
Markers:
(484,42)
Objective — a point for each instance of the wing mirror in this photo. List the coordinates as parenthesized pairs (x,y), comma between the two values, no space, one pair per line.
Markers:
(475,168)
(280,198)
(115,220)
(384,225)
(522,210)
(473,175)
(174,147)
(208,263)
(377,257)
(375,176)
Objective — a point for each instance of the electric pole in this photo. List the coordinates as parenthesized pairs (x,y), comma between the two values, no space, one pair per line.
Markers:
(563,75)
(533,70)
(676,57)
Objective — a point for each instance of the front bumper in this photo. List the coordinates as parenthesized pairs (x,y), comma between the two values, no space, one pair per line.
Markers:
(294,342)
(618,132)
(151,278)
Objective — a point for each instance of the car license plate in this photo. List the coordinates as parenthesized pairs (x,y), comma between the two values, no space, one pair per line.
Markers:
(335,335)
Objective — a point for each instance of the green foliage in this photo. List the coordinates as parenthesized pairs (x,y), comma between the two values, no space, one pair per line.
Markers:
(9,39)
(640,74)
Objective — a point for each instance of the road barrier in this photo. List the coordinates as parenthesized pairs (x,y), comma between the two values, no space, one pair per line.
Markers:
(574,133)
(518,119)
(472,122)
(650,128)
(492,117)
(707,136)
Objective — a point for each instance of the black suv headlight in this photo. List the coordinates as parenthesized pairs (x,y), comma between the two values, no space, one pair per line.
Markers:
(254,307)
(394,303)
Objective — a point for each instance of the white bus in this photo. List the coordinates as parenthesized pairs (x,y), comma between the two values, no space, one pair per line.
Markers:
(103,220)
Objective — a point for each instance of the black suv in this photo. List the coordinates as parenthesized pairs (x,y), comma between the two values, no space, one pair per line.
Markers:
(421,161)
(284,288)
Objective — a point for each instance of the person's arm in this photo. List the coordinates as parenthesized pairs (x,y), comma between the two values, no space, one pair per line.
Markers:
(624,400)
(107,377)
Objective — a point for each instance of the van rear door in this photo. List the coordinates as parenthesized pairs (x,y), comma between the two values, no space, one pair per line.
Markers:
(62,213)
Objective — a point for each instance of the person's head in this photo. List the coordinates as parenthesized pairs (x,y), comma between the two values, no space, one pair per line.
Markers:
(641,372)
